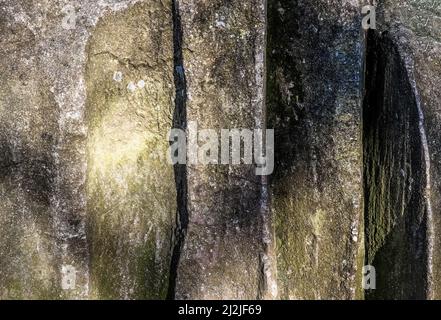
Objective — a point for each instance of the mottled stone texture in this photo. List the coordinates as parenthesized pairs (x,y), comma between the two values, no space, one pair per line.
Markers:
(28,130)
(403,203)
(52,244)
(90,208)
(42,215)
(226,249)
(131,193)
(394,176)
(315,73)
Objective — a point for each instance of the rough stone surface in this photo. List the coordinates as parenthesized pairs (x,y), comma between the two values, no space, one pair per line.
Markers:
(394,176)
(91,209)
(315,74)
(131,193)
(404,244)
(226,254)
(47,241)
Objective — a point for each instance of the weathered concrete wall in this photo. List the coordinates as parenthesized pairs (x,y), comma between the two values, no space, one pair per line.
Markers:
(315,74)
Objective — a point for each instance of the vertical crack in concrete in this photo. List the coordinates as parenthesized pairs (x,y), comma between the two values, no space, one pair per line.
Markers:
(179,122)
